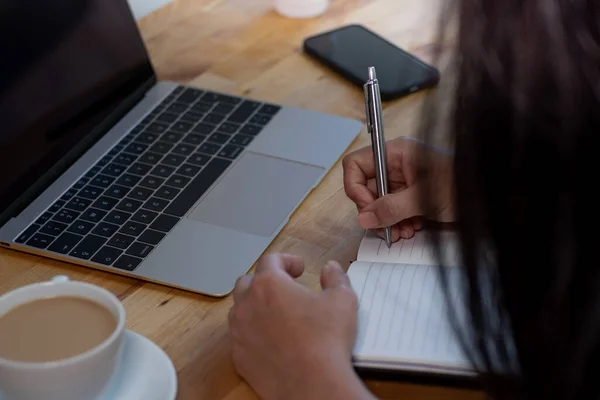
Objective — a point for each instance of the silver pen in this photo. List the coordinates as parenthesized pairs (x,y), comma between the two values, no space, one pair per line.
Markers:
(375,128)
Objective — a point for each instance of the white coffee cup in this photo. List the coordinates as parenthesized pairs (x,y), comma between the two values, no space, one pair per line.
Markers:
(82,377)
(301,8)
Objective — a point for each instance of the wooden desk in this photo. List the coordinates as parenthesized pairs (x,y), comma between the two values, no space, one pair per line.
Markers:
(244,47)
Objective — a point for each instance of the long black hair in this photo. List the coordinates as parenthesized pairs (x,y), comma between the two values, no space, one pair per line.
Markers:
(525,125)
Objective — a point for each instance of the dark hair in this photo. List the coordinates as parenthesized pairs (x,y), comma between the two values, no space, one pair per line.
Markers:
(525,122)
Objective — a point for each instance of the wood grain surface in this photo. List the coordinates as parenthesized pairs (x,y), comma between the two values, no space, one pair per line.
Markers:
(244,47)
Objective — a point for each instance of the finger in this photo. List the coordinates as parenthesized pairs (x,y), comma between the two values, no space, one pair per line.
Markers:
(292,265)
(390,209)
(333,276)
(359,166)
(406,229)
(241,286)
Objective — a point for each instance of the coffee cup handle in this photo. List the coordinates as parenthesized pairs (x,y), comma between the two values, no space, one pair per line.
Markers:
(60,278)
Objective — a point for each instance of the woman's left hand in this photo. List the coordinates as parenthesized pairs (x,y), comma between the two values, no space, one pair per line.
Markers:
(291,342)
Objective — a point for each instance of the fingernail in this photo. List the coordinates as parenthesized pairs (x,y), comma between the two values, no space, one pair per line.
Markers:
(368,220)
(332,265)
(405,233)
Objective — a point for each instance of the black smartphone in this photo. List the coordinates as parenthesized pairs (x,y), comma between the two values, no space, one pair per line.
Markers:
(352,49)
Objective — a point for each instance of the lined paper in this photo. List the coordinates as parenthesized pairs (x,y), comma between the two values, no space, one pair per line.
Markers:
(409,251)
(402,315)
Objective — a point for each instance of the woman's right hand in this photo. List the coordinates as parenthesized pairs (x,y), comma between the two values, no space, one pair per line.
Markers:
(401,208)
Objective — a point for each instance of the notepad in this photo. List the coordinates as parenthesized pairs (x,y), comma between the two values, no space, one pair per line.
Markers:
(403,323)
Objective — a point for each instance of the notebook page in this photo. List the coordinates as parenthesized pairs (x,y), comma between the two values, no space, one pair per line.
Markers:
(409,251)
(402,316)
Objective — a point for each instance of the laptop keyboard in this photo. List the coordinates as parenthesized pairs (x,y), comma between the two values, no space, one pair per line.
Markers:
(126,204)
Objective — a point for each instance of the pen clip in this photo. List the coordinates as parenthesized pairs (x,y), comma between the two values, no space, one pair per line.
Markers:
(368,111)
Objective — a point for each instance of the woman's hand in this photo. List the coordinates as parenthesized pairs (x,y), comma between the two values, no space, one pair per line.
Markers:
(289,342)
(401,208)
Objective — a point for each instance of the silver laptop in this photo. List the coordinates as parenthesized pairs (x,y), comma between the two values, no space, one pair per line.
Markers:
(105,167)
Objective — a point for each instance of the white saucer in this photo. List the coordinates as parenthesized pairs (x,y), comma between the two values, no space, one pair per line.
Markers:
(145,373)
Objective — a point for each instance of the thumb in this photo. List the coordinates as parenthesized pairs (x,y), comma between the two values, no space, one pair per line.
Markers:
(333,276)
(389,210)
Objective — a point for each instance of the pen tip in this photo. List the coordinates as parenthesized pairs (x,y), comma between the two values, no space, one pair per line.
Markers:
(372,75)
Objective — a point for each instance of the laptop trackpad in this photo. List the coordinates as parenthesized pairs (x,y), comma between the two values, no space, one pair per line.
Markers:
(257,194)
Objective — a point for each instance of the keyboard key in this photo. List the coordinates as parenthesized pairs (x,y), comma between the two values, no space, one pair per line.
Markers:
(105,203)
(252,130)
(53,228)
(213,119)
(40,241)
(167,192)
(65,243)
(210,97)
(139,169)
(219,138)
(78,204)
(197,187)
(194,139)
(244,111)
(90,192)
(223,109)
(125,159)
(147,120)
(189,95)
(105,229)
(102,181)
(127,263)
(163,171)
(137,129)
(182,126)
(126,140)
(45,217)
(90,174)
(88,246)
(157,127)
(117,217)
(152,237)
(192,116)
(80,183)
(151,182)
(177,108)
(107,255)
(128,180)
(114,151)
(57,205)
(146,137)
(140,193)
(155,204)
(167,117)
(129,205)
(164,223)
(201,107)
(144,216)
(230,151)
(68,194)
(121,241)
(184,149)
(66,216)
(172,137)
(117,191)
(151,158)
(269,109)
(28,233)
(103,161)
(139,249)
(113,170)
(93,215)
(132,228)
(188,170)
(223,98)
(209,148)
(198,159)
(241,140)
(80,227)
(228,127)
(260,119)
(204,129)
(136,148)
(178,181)
(161,147)
(173,159)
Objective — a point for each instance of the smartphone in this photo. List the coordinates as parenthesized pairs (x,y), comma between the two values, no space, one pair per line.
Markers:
(352,49)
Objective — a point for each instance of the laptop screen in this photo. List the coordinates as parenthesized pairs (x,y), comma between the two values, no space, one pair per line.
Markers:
(67,67)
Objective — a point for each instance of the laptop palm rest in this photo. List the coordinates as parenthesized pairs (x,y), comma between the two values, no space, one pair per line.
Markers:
(257,194)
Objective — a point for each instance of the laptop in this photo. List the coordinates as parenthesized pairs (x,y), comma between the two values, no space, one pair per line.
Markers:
(106,167)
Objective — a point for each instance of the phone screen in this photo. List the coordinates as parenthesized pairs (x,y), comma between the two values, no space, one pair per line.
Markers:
(353,49)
